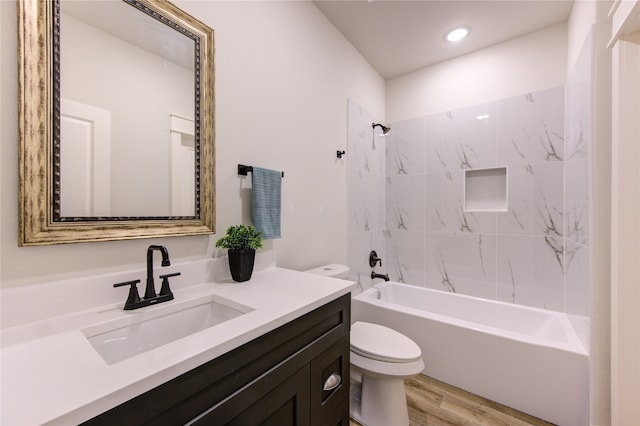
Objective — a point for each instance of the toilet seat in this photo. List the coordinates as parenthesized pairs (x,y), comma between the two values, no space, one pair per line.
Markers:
(380,343)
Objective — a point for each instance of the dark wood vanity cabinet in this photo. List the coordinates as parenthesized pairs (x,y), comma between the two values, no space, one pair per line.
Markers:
(276,379)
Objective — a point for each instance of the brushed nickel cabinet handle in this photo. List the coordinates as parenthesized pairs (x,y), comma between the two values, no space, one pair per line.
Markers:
(332,382)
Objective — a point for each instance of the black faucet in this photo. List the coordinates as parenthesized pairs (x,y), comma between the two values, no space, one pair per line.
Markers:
(374,276)
(150,296)
(150,291)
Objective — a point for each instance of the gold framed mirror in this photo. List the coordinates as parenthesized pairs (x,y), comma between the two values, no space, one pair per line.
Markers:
(66,192)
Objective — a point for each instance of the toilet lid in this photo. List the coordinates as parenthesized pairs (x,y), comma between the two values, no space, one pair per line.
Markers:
(378,342)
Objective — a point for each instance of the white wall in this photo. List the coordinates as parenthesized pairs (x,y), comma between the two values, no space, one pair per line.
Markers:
(283,77)
(530,63)
(4,64)
(625,238)
(140,136)
(625,213)
(583,16)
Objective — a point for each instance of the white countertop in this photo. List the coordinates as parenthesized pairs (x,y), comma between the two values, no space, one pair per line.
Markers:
(52,375)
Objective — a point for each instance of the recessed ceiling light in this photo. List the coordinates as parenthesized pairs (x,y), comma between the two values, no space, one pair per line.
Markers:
(457,34)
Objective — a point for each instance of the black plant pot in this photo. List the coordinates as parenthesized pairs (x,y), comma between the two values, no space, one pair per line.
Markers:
(241,264)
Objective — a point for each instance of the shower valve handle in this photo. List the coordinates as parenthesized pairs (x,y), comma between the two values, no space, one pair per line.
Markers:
(373,259)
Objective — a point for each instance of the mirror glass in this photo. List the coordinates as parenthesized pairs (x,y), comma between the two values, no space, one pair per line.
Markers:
(116,121)
(127,110)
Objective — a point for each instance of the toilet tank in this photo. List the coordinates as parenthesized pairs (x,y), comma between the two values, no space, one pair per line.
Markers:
(333,270)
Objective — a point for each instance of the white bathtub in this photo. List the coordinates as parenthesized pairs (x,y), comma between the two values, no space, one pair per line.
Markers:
(526,358)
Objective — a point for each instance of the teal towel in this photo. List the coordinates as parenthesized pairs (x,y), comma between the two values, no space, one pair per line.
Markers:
(265,211)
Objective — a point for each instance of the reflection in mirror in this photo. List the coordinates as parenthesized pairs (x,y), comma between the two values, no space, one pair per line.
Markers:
(116,121)
(117,155)
(182,169)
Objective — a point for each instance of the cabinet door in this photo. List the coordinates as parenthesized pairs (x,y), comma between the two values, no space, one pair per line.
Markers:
(340,417)
(268,401)
(328,402)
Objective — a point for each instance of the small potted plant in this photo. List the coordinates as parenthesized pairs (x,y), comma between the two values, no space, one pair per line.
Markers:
(241,242)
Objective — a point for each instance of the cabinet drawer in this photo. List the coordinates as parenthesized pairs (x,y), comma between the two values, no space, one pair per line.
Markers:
(268,401)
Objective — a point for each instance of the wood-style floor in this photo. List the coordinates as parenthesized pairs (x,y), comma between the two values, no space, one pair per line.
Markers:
(434,403)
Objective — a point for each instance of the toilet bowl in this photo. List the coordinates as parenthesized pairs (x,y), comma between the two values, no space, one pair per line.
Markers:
(381,358)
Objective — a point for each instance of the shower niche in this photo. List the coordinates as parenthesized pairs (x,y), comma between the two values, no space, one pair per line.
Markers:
(485,190)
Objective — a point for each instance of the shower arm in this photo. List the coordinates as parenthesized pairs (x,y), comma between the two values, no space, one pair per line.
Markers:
(385,129)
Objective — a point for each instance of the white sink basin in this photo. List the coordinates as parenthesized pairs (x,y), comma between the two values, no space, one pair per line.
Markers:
(146,330)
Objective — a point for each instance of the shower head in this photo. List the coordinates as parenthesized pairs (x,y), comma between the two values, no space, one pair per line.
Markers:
(385,129)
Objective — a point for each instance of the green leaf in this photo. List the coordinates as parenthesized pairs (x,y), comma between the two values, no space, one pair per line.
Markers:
(241,237)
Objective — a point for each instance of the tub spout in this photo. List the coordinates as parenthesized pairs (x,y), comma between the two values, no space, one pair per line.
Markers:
(384,277)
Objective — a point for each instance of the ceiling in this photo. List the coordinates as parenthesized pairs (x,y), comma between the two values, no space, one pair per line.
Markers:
(140,29)
(398,37)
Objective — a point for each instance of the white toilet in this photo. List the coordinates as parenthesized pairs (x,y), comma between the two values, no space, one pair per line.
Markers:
(381,358)
(333,270)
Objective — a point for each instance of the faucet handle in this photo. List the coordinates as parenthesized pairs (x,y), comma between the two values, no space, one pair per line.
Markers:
(165,290)
(134,297)
(373,259)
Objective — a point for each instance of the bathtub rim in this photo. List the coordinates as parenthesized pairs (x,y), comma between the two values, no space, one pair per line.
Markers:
(573,344)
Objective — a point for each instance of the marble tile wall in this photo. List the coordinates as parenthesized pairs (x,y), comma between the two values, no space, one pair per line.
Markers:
(578,130)
(515,255)
(366,192)
(406,197)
